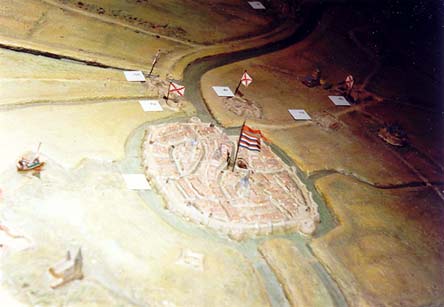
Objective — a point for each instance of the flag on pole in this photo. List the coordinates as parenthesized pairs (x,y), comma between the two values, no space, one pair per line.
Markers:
(246,79)
(349,82)
(176,88)
(250,138)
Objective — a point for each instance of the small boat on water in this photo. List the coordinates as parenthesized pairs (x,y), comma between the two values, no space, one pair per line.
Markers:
(24,165)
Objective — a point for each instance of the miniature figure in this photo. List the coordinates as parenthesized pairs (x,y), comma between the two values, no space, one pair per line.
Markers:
(314,79)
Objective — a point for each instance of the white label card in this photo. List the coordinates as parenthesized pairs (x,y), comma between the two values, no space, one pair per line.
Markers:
(256,5)
(136,182)
(150,105)
(223,91)
(134,76)
(299,114)
(339,100)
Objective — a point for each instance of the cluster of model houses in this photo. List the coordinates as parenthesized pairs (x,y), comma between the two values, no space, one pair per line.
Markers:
(187,163)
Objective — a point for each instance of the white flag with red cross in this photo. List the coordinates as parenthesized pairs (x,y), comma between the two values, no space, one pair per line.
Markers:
(246,79)
(349,82)
(176,89)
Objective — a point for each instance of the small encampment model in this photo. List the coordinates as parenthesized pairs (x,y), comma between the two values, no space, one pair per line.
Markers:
(34,163)
(393,134)
(314,79)
(67,270)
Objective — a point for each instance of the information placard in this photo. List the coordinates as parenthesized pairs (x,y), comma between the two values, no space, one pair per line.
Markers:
(339,100)
(223,91)
(256,5)
(150,105)
(134,76)
(136,182)
(299,114)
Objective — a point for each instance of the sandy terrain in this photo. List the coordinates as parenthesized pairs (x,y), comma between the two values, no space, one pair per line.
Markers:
(26,79)
(84,119)
(171,18)
(48,28)
(389,245)
(385,247)
(277,76)
(130,253)
(67,137)
(295,269)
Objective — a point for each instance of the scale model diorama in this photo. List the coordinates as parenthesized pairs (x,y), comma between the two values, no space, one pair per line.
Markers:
(221,153)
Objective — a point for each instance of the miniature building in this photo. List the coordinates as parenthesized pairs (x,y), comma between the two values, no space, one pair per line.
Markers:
(271,198)
(67,270)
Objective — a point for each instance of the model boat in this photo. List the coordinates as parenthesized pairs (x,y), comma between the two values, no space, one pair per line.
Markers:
(24,165)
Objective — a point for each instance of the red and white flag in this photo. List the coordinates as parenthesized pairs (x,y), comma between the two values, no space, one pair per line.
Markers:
(349,82)
(246,79)
(250,138)
(176,89)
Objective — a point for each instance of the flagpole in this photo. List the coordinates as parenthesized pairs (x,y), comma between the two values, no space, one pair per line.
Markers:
(37,154)
(154,63)
(237,149)
(240,82)
(168,93)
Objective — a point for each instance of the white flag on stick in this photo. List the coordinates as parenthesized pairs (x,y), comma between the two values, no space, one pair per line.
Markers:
(349,82)
(176,88)
(246,79)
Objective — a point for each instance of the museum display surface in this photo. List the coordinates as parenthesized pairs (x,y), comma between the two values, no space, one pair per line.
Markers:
(221,153)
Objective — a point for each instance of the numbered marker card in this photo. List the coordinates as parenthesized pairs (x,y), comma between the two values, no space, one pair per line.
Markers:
(134,76)
(150,105)
(223,91)
(136,182)
(256,5)
(339,100)
(299,114)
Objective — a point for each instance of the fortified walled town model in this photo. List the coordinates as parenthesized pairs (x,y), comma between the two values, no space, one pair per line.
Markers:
(188,163)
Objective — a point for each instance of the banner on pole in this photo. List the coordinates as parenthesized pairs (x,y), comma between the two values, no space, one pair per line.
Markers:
(250,138)
(349,82)
(246,79)
(176,89)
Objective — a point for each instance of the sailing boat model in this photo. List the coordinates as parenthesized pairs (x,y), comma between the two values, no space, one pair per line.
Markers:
(24,164)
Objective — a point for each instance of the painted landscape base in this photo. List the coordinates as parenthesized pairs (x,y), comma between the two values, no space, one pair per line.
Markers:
(187,162)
